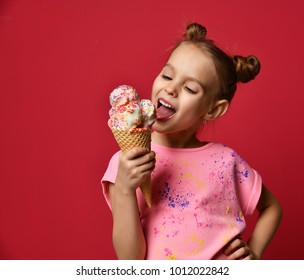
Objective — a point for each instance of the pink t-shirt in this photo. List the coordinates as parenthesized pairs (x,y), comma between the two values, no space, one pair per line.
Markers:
(199,199)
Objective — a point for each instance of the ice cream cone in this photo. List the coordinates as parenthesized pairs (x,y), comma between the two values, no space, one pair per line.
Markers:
(138,138)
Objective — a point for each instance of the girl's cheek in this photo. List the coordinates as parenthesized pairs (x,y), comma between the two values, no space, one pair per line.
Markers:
(153,94)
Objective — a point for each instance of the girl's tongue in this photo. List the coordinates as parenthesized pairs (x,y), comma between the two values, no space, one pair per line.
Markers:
(164,112)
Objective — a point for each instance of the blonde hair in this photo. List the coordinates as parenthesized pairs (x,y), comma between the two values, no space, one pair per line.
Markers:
(230,69)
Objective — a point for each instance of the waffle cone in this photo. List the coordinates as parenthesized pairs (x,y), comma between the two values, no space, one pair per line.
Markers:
(126,142)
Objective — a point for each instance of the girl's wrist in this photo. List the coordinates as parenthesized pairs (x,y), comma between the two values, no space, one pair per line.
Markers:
(123,190)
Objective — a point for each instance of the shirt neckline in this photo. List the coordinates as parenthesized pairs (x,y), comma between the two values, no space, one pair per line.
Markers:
(185,150)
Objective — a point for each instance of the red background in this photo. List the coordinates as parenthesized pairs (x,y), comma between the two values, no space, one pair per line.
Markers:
(59,60)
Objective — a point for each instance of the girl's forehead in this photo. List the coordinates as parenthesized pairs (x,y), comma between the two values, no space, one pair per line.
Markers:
(190,60)
(191,54)
(189,49)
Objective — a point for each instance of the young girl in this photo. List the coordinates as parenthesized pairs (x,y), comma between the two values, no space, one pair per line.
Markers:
(201,191)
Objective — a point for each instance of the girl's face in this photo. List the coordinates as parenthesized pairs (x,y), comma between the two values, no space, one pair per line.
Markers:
(184,91)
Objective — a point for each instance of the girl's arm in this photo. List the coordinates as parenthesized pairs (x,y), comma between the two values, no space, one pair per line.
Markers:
(128,238)
(270,214)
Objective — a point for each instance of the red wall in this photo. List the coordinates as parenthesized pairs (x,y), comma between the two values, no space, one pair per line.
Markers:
(59,60)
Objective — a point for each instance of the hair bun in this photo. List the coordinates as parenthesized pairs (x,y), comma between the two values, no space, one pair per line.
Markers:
(195,32)
(247,68)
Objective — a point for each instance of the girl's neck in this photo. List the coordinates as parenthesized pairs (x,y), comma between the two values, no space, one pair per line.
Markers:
(176,140)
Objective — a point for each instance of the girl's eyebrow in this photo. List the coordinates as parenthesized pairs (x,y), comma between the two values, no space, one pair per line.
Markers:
(190,78)
(169,65)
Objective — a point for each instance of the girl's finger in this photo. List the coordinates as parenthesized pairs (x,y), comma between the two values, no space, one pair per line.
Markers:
(146,158)
(136,152)
(240,253)
(249,257)
(149,166)
(233,245)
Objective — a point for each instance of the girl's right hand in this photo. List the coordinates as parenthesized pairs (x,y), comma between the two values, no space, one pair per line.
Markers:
(134,167)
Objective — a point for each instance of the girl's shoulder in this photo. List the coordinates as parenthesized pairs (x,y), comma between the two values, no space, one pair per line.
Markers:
(224,150)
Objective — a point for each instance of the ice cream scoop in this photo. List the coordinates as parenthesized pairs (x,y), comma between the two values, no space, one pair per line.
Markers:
(123,94)
(128,111)
(148,112)
(125,116)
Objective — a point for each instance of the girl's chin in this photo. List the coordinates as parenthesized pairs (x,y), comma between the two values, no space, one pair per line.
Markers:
(157,127)
(160,127)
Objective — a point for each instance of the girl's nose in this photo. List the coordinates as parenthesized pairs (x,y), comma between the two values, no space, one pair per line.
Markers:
(171,90)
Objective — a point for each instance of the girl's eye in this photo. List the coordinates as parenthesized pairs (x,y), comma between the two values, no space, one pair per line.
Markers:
(190,90)
(166,77)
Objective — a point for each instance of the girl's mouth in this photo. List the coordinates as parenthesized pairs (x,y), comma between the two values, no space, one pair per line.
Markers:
(164,110)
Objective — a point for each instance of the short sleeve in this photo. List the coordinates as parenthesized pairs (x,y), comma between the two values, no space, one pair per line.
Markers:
(249,185)
(110,176)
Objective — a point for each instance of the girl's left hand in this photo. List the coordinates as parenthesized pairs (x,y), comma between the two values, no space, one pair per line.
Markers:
(238,249)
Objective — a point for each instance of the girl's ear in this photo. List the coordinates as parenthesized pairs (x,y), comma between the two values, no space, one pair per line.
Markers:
(218,109)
